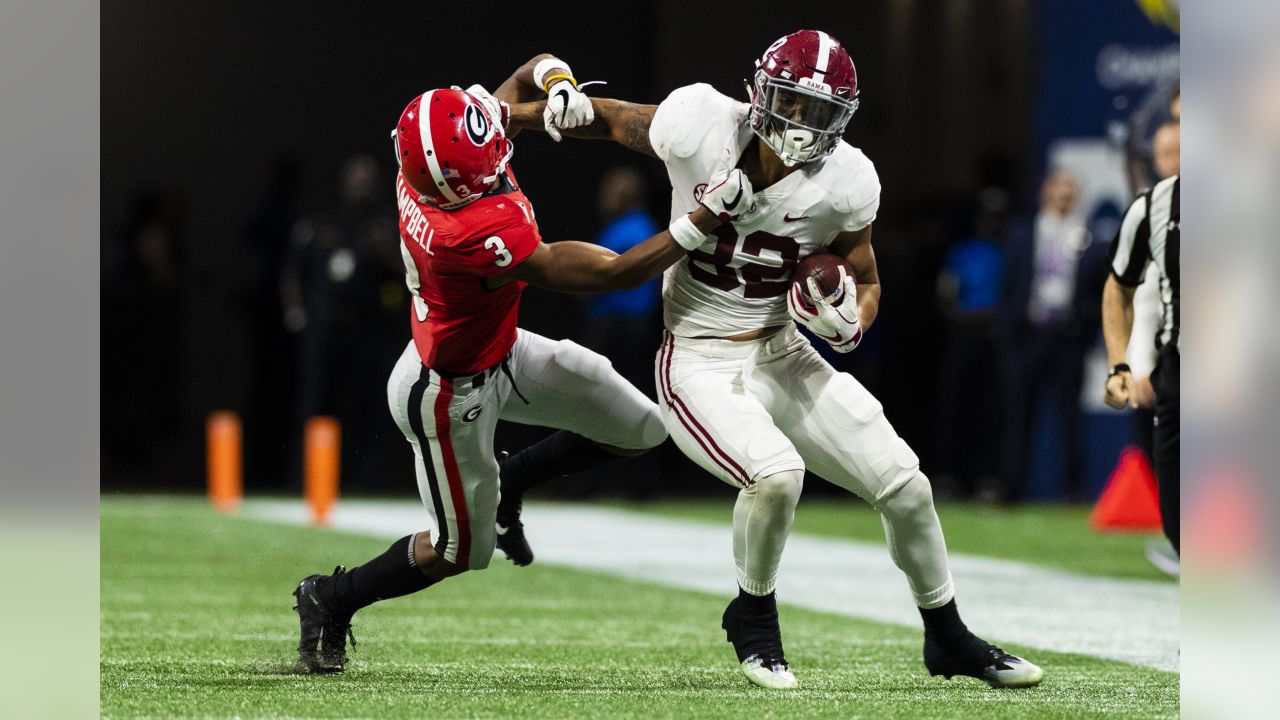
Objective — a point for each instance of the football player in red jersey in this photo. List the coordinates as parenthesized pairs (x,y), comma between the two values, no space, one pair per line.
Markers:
(470,246)
(744,394)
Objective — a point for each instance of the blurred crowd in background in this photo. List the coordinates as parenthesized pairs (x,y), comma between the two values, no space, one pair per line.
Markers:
(986,354)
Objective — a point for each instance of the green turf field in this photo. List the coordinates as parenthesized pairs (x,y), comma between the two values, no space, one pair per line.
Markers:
(196,622)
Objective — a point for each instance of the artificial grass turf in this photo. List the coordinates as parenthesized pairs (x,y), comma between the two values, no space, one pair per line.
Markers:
(196,622)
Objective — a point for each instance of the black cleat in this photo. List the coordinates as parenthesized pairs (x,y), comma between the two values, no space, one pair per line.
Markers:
(511,540)
(323,645)
(980,659)
(757,640)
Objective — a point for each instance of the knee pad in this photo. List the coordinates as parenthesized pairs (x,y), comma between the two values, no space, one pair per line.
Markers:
(912,497)
(779,489)
(480,557)
(895,465)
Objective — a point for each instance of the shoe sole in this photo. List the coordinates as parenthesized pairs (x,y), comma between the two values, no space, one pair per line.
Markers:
(996,682)
(769,680)
(1015,684)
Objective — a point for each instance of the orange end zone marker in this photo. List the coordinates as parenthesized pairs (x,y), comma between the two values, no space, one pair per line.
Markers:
(226,482)
(323,451)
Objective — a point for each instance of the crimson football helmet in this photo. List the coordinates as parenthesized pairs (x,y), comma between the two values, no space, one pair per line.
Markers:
(450,147)
(803,94)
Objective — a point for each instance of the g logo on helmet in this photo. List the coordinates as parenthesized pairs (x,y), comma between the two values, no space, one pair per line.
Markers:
(477,125)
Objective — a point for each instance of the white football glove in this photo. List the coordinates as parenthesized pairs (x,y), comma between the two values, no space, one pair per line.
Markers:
(499,111)
(729,196)
(835,321)
(567,108)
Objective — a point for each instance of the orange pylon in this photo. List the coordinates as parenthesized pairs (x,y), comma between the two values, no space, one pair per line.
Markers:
(225,470)
(323,451)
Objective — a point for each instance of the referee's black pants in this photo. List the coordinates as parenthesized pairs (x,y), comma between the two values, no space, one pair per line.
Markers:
(1165,380)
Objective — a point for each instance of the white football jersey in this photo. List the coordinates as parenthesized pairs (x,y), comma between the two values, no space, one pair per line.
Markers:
(737,281)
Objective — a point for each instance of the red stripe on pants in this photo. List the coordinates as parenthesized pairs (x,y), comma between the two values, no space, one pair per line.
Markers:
(690,422)
(451,472)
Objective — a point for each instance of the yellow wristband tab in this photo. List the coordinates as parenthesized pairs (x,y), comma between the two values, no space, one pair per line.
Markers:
(550,80)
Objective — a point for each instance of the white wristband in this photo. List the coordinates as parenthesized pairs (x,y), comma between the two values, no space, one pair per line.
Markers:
(686,234)
(545,66)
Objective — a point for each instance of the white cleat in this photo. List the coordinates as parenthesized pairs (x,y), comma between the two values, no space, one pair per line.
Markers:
(1011,671)
(992,665)
(771,674)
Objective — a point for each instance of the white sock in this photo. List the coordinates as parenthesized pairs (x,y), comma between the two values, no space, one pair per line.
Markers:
(761,522)
(916,544)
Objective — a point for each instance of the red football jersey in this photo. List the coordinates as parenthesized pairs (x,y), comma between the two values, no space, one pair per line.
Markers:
(459,325)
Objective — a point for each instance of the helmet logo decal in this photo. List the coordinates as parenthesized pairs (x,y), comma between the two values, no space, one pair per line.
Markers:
(477,125)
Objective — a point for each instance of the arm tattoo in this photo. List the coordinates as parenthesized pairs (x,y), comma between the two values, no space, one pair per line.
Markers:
(632,127)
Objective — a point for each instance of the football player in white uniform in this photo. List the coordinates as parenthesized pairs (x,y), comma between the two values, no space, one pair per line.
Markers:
(743,393)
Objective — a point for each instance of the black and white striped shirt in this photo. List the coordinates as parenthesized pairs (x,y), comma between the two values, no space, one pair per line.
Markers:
(1149,233)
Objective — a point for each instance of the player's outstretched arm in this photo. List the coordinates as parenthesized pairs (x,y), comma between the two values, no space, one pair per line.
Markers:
(520,87)
(856,249)
(548,78)
(623,122)
(579,267)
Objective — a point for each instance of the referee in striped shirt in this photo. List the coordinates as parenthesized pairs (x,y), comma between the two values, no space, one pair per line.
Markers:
(1149,234)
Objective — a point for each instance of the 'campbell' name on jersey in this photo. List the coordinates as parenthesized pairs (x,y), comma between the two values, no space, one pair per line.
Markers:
(737,281)
(460,326)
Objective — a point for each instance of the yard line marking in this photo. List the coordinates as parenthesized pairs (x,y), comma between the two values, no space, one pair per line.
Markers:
(1133,621)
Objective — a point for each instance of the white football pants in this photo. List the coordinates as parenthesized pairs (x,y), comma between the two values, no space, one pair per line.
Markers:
(450,424)
(756,414)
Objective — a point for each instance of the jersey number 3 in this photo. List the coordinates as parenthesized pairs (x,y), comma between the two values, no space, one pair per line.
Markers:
(499,248)
(770,278)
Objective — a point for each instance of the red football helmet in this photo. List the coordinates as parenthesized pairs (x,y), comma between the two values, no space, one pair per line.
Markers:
(450,148)
(803,94)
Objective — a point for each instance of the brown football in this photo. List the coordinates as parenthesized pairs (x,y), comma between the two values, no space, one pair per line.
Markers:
(824,268)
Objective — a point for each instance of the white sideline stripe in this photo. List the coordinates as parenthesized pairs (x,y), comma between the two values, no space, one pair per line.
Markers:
(1133,621)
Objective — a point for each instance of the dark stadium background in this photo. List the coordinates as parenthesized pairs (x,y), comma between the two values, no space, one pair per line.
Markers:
(202,107)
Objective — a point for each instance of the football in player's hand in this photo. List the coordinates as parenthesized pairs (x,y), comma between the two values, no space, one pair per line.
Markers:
(824,268)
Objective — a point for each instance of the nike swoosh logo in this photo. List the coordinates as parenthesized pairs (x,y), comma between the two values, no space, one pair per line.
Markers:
(564,95)
(730,204)
(502,530)
(788,218)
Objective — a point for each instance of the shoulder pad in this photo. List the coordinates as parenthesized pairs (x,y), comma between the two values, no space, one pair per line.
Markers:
(687,116)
